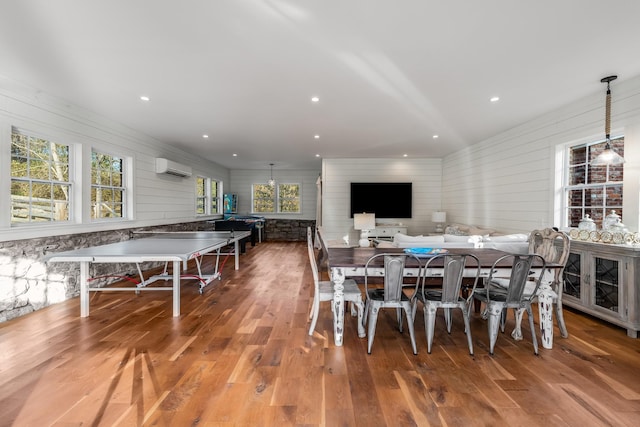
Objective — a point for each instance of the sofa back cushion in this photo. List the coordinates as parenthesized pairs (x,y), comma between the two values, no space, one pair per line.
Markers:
(401,239)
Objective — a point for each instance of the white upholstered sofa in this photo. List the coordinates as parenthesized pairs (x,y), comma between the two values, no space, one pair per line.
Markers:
(512,243)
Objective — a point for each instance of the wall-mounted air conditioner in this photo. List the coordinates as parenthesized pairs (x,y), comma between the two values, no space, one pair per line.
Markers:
(172,168)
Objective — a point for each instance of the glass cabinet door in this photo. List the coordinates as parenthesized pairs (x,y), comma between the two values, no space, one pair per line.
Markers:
(572,275)
(606,277)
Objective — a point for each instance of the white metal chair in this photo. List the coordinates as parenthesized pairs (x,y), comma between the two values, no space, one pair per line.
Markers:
(499,300)
(554,247)
(323,291)
(391,295)
(449,296)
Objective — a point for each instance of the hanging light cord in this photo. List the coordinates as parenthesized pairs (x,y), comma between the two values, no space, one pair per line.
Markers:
(607,121)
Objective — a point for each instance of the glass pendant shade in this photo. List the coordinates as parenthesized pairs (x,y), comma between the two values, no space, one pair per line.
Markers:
(607,157)
(271,182)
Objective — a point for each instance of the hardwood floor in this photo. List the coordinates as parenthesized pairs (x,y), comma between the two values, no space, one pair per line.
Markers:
(240,356)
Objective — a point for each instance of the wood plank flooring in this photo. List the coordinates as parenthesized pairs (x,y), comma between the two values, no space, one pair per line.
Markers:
(239,355)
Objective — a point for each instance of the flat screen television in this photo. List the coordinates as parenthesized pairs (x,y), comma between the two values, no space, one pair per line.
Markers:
(384,199)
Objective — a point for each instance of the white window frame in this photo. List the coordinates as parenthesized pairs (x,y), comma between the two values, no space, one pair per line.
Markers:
(124,188)
(211,204)
(276,198)
(29,179)
(561,215)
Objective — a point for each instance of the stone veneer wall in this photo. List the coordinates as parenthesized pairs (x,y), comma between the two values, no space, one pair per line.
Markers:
(28,284)
(290,230)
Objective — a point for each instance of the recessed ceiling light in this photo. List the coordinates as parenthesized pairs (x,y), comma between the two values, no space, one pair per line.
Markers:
(144,98)
(235,155)
(315,99)
(316,136)
(205,136)
(494,99)
(405,155)
(435,136)
(317,155)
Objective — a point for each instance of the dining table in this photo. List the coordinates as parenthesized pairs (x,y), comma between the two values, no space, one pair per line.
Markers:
(350,262)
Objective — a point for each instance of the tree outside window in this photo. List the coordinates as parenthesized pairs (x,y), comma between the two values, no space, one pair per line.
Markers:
(107,188)
(206,196)
(213,196)
(201,195)
(592,190)
(280,198)
(40,181)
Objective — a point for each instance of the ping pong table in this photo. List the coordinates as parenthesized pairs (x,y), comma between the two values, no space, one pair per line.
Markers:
(168,247)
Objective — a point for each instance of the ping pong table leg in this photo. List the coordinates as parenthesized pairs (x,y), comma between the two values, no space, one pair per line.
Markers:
(176,288)
(237,253)
(84,289)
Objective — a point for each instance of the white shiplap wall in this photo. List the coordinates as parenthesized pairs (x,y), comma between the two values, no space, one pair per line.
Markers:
(157,199)
(337,175)
(242,179)
(509,181)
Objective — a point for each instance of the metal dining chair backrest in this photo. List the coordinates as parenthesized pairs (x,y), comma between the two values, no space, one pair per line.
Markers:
(393,277)
(520,273)
(453,272)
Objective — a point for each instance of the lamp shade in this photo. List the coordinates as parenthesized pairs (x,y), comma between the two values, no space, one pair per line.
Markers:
(364,221)
(439,216)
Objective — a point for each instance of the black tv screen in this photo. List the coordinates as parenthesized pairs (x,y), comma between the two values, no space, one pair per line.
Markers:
(385,199)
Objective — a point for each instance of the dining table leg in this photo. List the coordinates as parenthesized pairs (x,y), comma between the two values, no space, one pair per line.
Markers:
(337,277)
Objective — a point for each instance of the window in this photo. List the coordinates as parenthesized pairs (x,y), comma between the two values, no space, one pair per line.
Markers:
(40,182)
(107,186)
(213,196)
(201,195)
(281,198)
(206,196)
(592,190)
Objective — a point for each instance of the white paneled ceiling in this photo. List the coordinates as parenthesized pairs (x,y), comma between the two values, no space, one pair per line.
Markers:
(389,74)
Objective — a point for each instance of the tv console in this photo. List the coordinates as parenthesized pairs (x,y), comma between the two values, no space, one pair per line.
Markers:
(386,232)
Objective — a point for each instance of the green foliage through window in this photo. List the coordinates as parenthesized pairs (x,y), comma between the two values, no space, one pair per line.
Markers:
(286,197)
(107,188)
(40,183)
(206,196)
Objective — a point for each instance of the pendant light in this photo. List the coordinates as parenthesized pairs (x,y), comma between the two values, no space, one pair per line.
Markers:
(271,182)
(608,156)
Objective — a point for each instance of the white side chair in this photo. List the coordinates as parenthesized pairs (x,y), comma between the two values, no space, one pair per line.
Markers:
(323,291)
(554,247)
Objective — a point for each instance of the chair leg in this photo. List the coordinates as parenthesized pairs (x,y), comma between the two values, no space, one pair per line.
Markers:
(447,318)
(533,330)
(313,304)
(561,325)
(414,307)
(516,334)
(360,306)
(429,324)
(315,309)
(493,324)
(399,317)
(373,319)
(366,311)
(412,334)
(467,329)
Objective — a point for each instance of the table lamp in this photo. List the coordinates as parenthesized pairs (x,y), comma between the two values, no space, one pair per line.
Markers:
(364,222)
(439,218)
